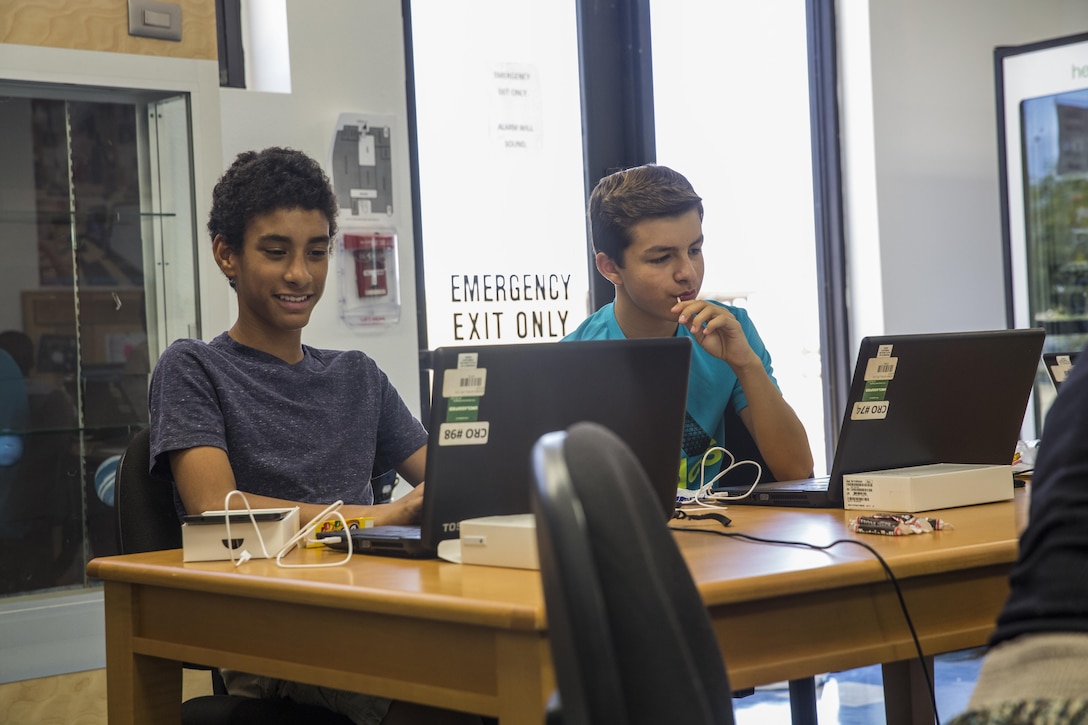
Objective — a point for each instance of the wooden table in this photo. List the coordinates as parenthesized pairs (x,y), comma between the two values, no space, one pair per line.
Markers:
(784,613)
(474,638)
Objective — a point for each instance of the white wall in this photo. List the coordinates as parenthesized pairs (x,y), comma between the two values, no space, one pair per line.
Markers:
(934,157)
(345,56)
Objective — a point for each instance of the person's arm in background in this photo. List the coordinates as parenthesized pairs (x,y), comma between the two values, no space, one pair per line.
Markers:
(774,426)
(204,477)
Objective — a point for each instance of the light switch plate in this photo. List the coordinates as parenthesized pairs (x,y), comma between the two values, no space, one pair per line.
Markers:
(151,19)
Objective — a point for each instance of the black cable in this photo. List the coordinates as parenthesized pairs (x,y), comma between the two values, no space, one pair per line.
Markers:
(720,518)
(883,563)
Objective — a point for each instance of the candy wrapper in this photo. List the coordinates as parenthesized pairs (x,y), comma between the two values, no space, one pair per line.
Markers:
(330,525)
(896,524)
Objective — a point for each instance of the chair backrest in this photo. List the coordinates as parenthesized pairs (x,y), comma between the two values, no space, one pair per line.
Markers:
(146,517)
(630,636)
(743,447)
(148,521)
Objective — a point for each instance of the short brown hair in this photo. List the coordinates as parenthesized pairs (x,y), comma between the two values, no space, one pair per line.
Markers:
(624,198)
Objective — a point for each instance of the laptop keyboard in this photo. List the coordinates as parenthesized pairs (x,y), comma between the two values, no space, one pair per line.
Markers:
(389,532)
(814,484)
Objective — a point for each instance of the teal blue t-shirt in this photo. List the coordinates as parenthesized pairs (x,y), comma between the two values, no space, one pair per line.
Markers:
(712,385)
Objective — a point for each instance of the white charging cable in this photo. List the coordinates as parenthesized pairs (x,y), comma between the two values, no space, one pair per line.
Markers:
(300,536)
(703,495)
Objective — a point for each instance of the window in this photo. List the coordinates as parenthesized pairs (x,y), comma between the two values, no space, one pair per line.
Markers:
(742,138)
(502,203)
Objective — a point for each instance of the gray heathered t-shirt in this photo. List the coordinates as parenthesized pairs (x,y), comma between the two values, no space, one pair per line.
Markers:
(307,432)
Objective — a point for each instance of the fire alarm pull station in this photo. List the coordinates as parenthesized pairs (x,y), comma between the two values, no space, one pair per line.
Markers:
(369,281)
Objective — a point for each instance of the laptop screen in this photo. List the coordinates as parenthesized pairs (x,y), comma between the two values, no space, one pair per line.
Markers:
(955,397)
(490,404)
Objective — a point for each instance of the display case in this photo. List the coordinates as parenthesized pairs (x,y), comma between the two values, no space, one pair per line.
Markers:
(97,227)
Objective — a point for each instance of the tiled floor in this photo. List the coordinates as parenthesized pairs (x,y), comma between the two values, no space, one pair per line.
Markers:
(856,697)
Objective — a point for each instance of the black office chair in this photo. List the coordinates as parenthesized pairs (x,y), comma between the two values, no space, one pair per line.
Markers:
(743,447)
(146,517)
(630,636)
(148,521)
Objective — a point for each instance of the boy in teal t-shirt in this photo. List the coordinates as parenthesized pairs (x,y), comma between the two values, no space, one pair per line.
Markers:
(646,226)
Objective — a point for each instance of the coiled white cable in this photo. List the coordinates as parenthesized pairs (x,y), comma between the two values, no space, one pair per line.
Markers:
(300,535)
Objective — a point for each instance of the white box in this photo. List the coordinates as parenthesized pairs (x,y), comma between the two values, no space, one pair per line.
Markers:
(925,488)
(500,541)
(204,537)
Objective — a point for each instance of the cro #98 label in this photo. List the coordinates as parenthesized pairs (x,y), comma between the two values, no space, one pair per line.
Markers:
(469,433)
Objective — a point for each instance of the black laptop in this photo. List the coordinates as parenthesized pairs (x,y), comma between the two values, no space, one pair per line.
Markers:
(955,397)
(1058,366)
(490,404)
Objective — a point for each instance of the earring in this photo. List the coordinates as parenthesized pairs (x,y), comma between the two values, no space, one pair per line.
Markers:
(232,282)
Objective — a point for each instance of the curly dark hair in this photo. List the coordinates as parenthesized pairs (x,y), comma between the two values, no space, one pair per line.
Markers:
(259,182)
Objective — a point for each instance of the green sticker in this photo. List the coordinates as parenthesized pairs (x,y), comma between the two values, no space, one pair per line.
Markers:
(461,410)
(875,390)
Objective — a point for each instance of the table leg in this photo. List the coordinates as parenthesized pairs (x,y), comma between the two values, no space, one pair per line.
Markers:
(139,688)
(907,699)
(803,701)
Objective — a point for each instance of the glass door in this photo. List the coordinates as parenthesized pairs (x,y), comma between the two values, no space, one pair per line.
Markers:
(96,223)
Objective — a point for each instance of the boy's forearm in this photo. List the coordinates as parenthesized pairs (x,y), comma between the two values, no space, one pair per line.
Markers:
(775,427)
(383,514)
(204,479)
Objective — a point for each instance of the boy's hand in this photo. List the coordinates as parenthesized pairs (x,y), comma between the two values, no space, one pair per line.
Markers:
(717,331)
(411,505)
(403,511)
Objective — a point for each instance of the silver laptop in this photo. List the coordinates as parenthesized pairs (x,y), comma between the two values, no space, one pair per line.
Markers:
(955,397)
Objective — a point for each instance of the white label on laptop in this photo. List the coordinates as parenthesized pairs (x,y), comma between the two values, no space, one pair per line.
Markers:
(870,410)
(464,382)
(1062,369)
(881,368)
(884,351)
(472,433)
(467,359)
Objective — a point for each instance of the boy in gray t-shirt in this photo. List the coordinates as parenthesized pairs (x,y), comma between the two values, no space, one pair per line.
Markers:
(258,411)
(308,432)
